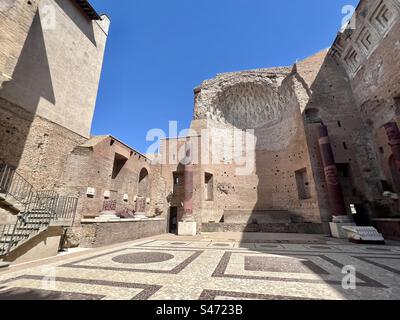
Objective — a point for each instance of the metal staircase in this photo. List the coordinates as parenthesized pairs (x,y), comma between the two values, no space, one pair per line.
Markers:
(36,210)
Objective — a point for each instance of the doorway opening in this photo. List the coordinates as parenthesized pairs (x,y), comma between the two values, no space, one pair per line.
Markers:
(173,220)
(395,173)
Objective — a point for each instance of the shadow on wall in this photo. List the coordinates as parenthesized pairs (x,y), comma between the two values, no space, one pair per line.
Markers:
(279,207)
(331,102)
(31,81)
(84,25)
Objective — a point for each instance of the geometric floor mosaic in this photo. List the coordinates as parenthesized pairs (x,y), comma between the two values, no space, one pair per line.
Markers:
(207,270)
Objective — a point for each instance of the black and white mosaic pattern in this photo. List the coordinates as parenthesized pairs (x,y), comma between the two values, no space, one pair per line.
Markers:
(211,270)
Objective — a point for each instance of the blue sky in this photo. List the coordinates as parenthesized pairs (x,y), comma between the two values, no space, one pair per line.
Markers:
(159,50)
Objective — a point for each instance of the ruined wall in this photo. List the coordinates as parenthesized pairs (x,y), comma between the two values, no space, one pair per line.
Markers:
(265,101)
(16,17)
(38,147)
(374,40)
(94,235)
(170,192)
(327,97)
(91,165)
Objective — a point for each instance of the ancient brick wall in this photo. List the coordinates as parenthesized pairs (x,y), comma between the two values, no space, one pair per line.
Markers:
(374,78)
(232,101)
(38,147)
(94,235)
(91,165)
(327,97)
(168,177)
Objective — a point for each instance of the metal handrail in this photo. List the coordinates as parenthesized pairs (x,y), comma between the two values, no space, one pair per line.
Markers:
(14,185)
(37,215)
(41,208)
(10,235)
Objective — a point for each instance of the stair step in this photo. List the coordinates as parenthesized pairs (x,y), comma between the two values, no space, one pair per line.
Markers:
(38,217)
(20,234)
(6,239)
(36,227)
(31,221)
(3,264)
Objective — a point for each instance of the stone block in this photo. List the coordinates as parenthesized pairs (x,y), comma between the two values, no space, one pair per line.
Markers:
(363,234)
(187,228)
(337,230)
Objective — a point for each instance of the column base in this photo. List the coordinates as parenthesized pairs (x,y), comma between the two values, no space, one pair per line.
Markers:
(337,230)
(187,228)
(140,215)
(107,216)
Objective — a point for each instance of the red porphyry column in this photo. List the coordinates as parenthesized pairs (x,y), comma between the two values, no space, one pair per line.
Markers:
(335,193)
(188,185)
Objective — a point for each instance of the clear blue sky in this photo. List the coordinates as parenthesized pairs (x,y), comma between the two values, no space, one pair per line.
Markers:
(159,50)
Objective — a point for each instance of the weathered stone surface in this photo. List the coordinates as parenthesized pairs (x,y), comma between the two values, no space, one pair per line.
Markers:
(102,234)
(352,88)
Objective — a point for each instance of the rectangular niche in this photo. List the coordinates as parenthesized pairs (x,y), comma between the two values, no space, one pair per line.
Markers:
(209,186)
(303,184)
(178,180)
(119,163)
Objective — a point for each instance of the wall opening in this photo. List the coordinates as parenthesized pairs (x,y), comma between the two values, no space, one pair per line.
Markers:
(386,186)
(209,186)
(119,163)
(173,220)
(395,173)
(143,189)
(350,192)
(303,184)
(178,180)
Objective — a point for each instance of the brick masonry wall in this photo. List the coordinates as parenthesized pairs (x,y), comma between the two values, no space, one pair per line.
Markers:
(327,97)
(221,103)
(375,85)
(38,147)
(93,235)
(91,165)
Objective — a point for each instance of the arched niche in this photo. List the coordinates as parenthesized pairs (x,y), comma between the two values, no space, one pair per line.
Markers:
(143,189)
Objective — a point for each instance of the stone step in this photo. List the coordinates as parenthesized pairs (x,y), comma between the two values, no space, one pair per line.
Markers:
(36,217)
(39,211)
(29,227)
(3,264)
(7,239)
(24,234)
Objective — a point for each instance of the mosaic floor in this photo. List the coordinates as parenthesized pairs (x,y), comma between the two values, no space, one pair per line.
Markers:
(204,269)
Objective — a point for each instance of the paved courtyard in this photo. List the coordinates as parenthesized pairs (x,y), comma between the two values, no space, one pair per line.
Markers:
(168,267)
